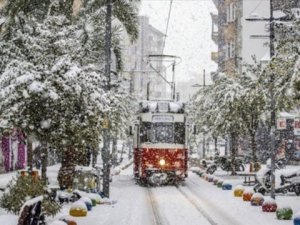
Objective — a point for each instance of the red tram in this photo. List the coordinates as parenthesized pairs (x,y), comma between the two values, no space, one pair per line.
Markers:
(160,149)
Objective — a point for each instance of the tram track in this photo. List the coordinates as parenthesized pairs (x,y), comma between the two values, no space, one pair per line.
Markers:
(158,220)
(197,206)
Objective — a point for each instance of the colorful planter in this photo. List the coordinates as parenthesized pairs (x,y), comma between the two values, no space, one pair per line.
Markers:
(200,173)
(247,195)
(257,199)
(210,178)
(219,184)
(269,205)
(216,180)
(78,209)
(297,219)
(238,191)
(69,221)
(226,186)
(206,177)
(284,213)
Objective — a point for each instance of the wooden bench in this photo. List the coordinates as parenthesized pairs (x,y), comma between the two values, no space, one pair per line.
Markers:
(249,178)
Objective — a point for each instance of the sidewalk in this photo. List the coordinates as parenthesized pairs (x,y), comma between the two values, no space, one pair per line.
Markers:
(218,200)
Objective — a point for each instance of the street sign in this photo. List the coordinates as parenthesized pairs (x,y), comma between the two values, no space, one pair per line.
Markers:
(281,124)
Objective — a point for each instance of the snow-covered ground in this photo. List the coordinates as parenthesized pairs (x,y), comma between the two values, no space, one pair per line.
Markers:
(195,202)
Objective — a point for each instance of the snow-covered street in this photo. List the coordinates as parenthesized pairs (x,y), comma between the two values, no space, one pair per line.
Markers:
(195,202)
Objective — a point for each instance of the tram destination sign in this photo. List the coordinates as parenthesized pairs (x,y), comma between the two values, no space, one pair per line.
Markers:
(162,119)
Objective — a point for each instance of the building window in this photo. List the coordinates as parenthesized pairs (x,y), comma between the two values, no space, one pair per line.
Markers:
(230,50)
(231,13)
(228,14)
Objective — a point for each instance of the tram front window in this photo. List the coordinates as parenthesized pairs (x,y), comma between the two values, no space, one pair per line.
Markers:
(163,132)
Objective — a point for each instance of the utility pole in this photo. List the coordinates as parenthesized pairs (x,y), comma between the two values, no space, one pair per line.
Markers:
(272,134)
(203,139)
(204,147)
(106,133)
(273,112)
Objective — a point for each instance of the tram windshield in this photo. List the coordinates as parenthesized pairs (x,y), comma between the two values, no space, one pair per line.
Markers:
(162,132)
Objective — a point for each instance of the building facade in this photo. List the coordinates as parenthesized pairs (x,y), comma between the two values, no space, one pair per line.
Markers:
(139,68)
(241,36)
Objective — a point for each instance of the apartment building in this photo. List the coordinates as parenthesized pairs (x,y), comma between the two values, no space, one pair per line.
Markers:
(139,68)
(240,35)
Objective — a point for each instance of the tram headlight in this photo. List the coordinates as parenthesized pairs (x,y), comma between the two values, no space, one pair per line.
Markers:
(162,162)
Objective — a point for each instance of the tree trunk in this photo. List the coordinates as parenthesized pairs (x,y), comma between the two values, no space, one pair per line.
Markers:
(67,170)
(253,147)
(233,151)
(95,156)
(105,153)
(216,145)
(29,155)
(44,162)
(114,153)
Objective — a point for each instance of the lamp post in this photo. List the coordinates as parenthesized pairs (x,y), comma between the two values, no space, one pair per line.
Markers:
(272,99)
(106,136)
(272,109)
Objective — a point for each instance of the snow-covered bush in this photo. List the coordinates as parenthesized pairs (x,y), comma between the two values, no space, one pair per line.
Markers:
(24,188)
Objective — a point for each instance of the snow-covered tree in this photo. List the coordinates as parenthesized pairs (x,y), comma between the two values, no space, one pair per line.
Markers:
(219,110)
(52,83)
(284,70)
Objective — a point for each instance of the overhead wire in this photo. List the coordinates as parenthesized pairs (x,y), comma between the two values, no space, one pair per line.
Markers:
(167,27)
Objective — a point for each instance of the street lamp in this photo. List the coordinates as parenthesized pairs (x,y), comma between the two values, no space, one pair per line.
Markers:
(272,98)
(106,136)
(203,140)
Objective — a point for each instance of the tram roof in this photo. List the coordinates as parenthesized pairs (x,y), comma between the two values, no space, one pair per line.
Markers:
(161,107)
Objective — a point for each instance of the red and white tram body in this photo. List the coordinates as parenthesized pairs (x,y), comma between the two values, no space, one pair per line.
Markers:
(160,149)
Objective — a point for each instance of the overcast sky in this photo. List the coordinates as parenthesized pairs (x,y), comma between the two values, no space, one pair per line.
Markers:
(189,33)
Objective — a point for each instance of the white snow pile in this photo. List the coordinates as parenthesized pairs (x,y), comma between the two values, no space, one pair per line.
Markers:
(63,194)
(226,182)
(79,205)
(86,199)
(9,220)
(239,187)
(248,191)
(257,195)
(96,197)
(32,202)
(269,200)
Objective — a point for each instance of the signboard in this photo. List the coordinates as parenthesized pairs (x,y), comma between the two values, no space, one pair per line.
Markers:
(297,126)
(281,124)
(162,119)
